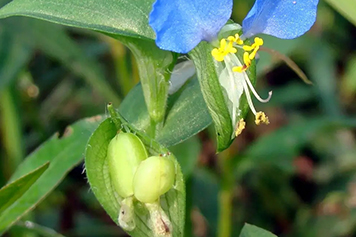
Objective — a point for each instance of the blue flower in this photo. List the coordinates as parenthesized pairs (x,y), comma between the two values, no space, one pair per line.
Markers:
(181,24)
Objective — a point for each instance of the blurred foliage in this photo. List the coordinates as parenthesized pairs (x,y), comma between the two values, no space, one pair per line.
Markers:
(295,177)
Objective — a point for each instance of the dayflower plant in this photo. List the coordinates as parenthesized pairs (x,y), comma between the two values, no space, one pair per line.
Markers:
(181,25)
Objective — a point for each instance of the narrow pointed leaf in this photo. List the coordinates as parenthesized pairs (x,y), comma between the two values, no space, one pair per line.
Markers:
(128,18)
(63,154)
(14,190)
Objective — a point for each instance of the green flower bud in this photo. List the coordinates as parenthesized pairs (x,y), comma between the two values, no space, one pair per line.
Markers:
(125,153)
(154,177)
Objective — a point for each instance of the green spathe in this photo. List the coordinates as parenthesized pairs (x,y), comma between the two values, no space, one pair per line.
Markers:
(153,178)
(125,152)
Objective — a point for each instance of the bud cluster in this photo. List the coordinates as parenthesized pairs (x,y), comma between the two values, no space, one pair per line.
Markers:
(135,175)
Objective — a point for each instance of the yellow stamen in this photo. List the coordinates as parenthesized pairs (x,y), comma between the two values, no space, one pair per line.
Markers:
(247,59)
(257,44)
(224,49)
(239,127)
(247,64)
(260,118)
(236,39)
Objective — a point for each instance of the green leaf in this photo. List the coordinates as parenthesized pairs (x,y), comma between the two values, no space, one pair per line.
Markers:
(13,191)
(213,93)
(187,114)
(154,67)
(345,8)
(63,154)
(128,18)
(254,231)
(173,202)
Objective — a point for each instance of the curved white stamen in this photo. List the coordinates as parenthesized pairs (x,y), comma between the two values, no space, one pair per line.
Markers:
(255,92)
(248,96)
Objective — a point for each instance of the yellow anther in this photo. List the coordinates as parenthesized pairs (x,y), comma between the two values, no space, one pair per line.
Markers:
(260,118)
(227,46)
(218,56)
(248,47)
(257,44)
(240,126)
(258,41)
(247,64)
(231,38)
(238,40)
(239,69)
(247,59)
(224,49)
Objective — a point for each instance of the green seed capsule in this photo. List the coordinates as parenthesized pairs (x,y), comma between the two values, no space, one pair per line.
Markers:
(154,177)
(125,153)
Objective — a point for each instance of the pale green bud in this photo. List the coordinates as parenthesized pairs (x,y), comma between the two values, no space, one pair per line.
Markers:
(154,177)
(125,152)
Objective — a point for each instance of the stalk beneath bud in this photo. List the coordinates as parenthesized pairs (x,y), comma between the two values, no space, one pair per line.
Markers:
(127,214)
(161,225)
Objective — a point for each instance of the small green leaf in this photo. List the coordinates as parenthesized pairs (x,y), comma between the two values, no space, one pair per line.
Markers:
(254,231)
(173,202)
(63,154)
(187,114)
(128,18)
(13,191)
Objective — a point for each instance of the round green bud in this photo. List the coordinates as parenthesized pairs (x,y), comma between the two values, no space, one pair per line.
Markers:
(154,177)
(125,153)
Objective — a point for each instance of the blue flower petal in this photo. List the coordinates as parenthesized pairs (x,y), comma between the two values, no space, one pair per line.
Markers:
(285,19)
(181,24)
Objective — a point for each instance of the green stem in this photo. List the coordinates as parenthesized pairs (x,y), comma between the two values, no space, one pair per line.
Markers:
(11,132)
(114,116)
(225,195)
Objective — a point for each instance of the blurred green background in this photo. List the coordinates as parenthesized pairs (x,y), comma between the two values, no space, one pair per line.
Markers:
(295,177)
